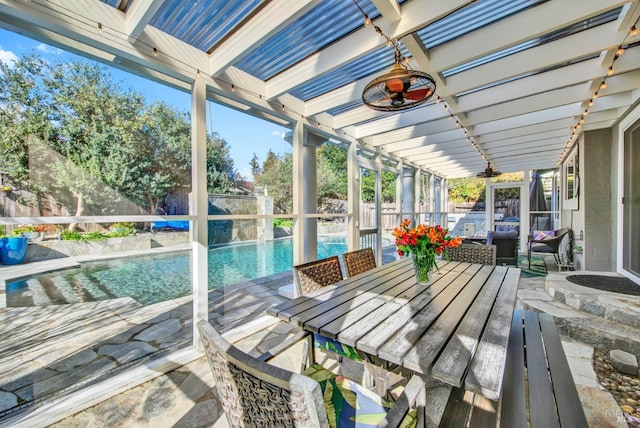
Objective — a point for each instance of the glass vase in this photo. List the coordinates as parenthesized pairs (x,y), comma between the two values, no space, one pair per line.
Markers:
(424,265)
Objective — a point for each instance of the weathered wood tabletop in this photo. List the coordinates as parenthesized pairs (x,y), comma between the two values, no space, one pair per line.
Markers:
(455,329)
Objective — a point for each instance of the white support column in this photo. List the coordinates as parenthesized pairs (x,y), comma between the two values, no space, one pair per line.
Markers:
(489,204)
(353,198)
(432,198)
(310,193)
(378,159)
(305,237)
(199,204)
(408,194)
(444,194)
(525,207)
(298,183)
(417,192)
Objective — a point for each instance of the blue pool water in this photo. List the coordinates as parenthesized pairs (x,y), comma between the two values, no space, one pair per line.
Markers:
(152,279)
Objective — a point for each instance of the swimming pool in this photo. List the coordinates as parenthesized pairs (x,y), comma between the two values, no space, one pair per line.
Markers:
(152,279)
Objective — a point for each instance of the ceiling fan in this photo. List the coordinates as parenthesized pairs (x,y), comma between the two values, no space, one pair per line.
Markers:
(399,89)
(489,172)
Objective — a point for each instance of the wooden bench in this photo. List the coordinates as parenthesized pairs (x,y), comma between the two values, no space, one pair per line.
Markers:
(537,384)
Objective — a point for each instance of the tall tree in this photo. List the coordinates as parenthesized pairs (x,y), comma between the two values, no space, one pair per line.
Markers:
(68,128)
(277,178)
(24,120)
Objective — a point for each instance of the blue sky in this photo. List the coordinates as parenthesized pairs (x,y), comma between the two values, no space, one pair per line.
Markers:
(245,134)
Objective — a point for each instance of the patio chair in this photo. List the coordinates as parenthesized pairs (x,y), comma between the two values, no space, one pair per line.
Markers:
(506,243)
(254,393)
(547,242)
(473,253)
(314,275)
(359,261)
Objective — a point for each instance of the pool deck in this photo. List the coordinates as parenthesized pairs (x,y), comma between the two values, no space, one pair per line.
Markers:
(65,345)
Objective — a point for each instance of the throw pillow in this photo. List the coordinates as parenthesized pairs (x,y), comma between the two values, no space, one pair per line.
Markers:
(539,235)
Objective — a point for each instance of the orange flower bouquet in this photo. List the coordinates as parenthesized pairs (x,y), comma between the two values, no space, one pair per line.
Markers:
(423,243)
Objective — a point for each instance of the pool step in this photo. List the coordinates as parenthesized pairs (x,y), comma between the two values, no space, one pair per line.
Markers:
(38,293)
(59,290)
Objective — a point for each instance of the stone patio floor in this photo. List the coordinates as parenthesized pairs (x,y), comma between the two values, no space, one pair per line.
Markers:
(184,396)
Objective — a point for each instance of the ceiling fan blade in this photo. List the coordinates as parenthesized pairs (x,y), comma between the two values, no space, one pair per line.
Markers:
(417,94)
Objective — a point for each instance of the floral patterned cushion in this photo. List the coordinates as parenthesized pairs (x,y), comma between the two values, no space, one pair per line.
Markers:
(330,345)
(539,235)
(349,404)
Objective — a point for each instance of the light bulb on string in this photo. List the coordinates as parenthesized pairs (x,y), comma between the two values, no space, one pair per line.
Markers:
(634,30)
(603,85)
(610,71)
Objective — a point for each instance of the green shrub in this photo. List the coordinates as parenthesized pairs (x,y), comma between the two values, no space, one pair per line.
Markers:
(3,231)
(282,222)
(93,236)
(70,235)
(120,232)
(74,235)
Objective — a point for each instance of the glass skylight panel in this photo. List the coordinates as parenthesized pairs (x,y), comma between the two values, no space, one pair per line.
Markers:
(203,23)
(345,107)
(586,24)
(112,3)
(521,76)
(122,5)
(476,15)
(357,69)
(313,31)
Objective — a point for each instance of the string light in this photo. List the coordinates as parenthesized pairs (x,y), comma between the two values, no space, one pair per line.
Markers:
(634,31)
(155,52)
(610,71)
(100,27)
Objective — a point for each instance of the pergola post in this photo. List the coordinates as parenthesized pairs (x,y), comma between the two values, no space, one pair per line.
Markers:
(199,203)
(305,236)
(353,198)
(408,193)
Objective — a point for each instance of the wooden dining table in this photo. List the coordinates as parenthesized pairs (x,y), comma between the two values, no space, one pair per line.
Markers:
(454,329)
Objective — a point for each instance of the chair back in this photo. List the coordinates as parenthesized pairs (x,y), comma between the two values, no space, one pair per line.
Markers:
(256,394)
(473,253)
(311,276)
(359,261)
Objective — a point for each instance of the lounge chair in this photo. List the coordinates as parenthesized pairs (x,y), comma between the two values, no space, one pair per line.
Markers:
(547,242)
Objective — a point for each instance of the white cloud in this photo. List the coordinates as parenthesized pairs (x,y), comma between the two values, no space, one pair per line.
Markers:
(48,49)
(276,133)
(8,57)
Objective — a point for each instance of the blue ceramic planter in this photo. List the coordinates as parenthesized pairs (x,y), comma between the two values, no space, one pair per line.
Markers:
(13,250)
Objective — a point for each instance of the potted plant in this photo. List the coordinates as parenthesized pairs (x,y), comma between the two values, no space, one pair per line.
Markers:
(13,248)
